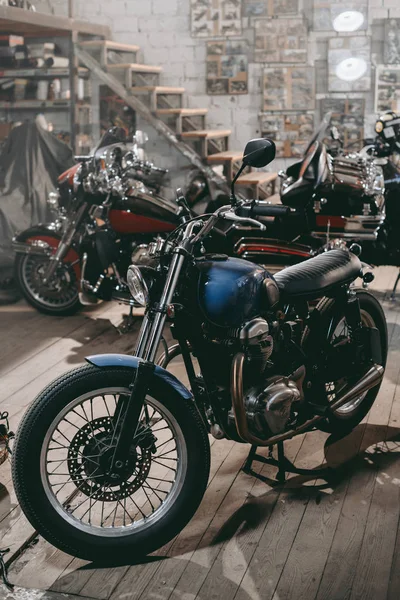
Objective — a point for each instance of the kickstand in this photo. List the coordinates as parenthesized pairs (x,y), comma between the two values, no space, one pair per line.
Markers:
(128,321)
(3,569)
(282,463)
(392,295)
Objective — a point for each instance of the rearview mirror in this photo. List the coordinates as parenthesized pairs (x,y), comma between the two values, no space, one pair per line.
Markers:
(259,153)
(335,135)
(140,137)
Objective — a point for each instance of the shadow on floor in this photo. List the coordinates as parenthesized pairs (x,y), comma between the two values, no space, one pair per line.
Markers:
(379,449)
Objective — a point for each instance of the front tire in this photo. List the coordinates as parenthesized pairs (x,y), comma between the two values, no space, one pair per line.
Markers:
(346,418)
(60,297)
(59,517)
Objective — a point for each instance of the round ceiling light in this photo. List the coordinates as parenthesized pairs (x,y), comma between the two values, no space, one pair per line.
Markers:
(351,69)
(349,20)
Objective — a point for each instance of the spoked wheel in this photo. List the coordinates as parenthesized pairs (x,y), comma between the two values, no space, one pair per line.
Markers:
(62,458)
(337,333)
(59,296)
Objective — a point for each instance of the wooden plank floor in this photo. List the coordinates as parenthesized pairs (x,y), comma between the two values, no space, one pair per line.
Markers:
(248,540)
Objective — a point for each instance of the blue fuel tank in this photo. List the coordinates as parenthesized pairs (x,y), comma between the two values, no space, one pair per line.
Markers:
(230,290)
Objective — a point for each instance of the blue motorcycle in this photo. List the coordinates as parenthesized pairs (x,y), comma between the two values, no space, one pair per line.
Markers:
(112,459)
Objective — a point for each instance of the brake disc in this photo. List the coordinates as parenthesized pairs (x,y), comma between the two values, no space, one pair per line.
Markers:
(89,458)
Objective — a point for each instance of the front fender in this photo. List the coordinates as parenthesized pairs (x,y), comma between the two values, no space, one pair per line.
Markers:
(131,362)
(37,231)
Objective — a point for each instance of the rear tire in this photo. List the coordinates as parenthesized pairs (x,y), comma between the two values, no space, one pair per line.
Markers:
(56,521)
(47,304)
(342,421)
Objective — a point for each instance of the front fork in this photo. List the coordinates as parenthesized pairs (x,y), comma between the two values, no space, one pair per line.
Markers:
(146,349)
(64,244)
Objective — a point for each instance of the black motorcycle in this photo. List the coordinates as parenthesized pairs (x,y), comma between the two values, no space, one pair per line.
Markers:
(350,196)
(112,459)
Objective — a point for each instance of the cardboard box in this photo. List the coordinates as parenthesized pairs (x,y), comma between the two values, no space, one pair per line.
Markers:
(11,40)
(5,129)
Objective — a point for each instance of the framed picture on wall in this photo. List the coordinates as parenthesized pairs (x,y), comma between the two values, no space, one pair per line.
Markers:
(291,132)
(348,117)
(343,106)
(280,40)
(337,16)
(392,42)
(213,18)
(349,64)
(270,8)
(387,88)
(288,88)
(227,67)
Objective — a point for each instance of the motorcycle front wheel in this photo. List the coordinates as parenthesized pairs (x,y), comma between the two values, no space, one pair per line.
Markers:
(59,297)
(61,456)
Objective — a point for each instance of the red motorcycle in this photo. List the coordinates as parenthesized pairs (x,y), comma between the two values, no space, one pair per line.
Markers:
(108,210)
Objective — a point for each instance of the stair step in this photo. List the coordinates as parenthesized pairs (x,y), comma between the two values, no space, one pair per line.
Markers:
(228,155)
(145,105)
(183,112)
(257,178)
(158,89)
(110,45)
(136,67)
(207,134)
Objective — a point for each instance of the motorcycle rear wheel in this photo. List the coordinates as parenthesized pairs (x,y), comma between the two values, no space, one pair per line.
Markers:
(72,422)
(48,300)
(330,321)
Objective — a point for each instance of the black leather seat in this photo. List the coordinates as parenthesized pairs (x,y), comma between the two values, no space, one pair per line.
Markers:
(317,276)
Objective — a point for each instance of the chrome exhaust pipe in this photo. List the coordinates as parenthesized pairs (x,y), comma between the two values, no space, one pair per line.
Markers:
(372,378)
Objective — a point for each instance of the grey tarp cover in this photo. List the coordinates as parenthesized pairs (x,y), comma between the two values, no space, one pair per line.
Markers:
(30,162)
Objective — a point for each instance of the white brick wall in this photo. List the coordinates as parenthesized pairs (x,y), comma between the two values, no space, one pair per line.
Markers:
(162,29)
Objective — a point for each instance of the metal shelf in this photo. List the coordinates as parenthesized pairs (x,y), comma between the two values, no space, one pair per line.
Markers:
(41,73)
(41,104)
(28,23)
(33,25)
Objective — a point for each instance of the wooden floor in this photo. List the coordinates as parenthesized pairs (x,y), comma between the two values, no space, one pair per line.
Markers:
(249,540)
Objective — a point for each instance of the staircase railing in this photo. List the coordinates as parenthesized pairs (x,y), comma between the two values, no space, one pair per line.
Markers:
(136,104)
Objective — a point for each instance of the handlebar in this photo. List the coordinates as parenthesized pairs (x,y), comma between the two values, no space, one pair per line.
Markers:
(148,166)
(263,209)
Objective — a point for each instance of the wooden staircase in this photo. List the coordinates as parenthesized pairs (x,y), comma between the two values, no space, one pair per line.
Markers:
(138,84)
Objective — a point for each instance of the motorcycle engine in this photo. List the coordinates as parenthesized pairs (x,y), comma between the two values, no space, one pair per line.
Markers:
(357,174)
(268,405)
(268,401)
(269,408)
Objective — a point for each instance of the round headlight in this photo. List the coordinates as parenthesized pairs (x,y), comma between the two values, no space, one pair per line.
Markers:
(379,127)
(137,286)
